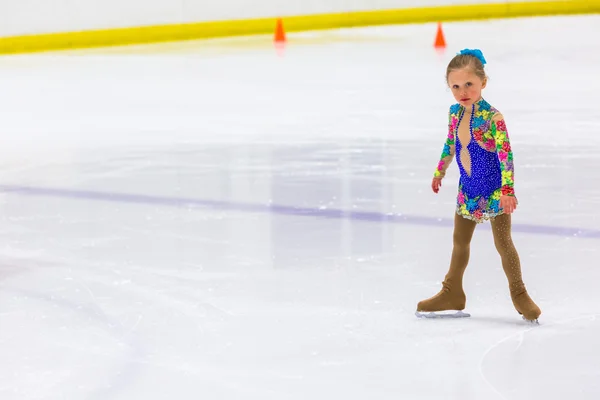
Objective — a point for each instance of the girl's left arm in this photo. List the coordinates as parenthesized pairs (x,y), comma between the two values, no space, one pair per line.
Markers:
(505,155)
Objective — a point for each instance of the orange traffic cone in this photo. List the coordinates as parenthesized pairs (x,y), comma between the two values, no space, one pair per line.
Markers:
(279,32)
(440,41)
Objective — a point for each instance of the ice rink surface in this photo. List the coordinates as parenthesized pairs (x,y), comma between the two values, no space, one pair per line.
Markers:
(214,220)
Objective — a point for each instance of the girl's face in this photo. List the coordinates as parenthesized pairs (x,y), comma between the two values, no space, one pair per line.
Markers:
(466,86)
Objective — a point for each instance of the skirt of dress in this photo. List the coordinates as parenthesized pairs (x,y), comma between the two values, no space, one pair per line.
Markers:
(478,208)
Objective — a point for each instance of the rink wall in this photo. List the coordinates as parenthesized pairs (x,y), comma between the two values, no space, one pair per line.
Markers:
(43,25)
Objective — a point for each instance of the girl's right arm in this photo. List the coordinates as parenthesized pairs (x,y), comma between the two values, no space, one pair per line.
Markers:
(447,152)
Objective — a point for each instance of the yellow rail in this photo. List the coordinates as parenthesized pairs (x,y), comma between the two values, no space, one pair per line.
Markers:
(206,30)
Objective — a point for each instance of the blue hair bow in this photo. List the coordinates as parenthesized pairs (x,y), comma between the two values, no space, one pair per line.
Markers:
(476,53)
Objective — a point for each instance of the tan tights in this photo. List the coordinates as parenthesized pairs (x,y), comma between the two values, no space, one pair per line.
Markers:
(452,296)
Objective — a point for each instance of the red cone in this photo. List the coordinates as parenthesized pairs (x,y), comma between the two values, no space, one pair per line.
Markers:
(279,32)
(440,41)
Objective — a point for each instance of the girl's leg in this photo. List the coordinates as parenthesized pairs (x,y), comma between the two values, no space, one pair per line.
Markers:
(501,228)
(452,295)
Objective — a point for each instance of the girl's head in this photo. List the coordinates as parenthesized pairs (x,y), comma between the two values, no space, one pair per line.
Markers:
(466,77)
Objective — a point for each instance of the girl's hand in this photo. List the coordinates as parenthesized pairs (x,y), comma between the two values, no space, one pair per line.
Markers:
(436,184)
(508,203)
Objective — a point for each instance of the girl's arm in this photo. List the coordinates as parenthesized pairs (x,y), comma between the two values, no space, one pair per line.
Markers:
(505,154)
(447,152)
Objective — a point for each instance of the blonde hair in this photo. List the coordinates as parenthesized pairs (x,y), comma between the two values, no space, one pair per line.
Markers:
(461,61)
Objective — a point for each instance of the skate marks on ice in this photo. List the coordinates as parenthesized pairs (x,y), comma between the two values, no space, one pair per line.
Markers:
(107,368)
(442,314)
(555,360)
(81,342)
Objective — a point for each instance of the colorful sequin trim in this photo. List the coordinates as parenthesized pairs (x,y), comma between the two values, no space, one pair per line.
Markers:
(505,154)
(479,208)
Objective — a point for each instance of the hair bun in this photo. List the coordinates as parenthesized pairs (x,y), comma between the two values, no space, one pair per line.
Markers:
(475,53)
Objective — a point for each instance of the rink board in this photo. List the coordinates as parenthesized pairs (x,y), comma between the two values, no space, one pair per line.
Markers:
(230,28)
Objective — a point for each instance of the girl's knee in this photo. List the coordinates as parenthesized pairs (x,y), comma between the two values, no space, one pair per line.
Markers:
(505,245)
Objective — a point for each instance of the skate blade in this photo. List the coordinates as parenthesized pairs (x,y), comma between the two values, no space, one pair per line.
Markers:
(442,314)
(531,322)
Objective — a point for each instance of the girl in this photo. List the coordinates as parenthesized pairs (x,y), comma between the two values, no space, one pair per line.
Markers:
(477,134)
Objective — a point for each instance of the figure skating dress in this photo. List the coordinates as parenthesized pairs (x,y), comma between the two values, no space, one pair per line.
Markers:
(491,170)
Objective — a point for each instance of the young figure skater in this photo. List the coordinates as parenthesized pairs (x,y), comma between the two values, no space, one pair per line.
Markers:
(478,136)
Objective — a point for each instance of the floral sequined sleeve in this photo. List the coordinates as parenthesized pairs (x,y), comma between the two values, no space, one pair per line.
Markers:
(505,155)
(448,151)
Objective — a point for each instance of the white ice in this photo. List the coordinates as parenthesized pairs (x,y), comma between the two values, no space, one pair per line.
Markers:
(214,220)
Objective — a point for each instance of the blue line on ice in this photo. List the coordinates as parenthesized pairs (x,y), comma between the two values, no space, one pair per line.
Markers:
(284,210)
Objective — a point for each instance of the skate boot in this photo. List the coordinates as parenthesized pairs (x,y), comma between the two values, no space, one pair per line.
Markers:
(448,303)
(523,303)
